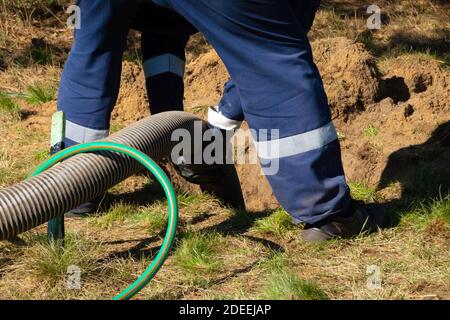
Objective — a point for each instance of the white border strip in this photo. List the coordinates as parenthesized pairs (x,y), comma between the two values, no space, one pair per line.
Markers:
(81,134)
(301,143)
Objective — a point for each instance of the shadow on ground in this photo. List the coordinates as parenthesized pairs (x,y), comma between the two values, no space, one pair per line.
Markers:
(422,171)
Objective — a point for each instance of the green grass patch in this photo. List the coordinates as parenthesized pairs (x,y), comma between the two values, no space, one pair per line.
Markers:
(371,131)
(116,215)
(36,94)
(278,223)
(116,127)
(154,218)
(50,260)
(426,212)
(362,191)
(285,285)
(189,199)
(9,106)
(276,262)
(41,155)
(199,252)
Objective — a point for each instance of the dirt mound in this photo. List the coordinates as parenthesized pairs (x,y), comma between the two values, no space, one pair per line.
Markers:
(349,73)
(338,59)
(205,78)
(403,124)
(418,80)
(132,104)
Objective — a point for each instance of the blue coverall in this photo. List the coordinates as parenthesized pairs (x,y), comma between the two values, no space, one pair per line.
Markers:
(275,85)
(90,81)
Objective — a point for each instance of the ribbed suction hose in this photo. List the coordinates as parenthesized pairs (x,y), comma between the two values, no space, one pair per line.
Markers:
(83,177)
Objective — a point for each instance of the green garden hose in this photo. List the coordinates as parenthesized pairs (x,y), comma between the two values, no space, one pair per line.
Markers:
(162,178)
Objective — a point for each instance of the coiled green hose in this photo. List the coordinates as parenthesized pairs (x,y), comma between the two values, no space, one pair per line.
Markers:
(162,178)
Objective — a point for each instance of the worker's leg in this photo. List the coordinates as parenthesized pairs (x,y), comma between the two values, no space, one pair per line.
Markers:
(269,58)
(229,114)
(90,81)
(305,11)
(91,78)
(164,37)
(164,62)
(164,65)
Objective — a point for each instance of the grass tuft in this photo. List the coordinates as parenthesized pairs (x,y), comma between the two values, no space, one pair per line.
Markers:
(9,106)
(50,260)
(362,191)
(371,131)
(276,262)
(41,155)
(40,94)
(426,212)
(116,215)
(154,218)
(199,252)
(285,285)
(278,223)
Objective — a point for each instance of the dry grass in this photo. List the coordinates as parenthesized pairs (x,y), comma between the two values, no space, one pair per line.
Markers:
(413,258)
(407,26)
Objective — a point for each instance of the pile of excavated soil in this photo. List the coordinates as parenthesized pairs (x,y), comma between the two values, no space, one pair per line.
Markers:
(412,124)
(205,78)
(132,103)
(350,74)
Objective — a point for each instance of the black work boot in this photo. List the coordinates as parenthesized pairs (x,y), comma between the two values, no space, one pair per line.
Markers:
(221,181)
(364,218)
(88,208)
(218,179)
